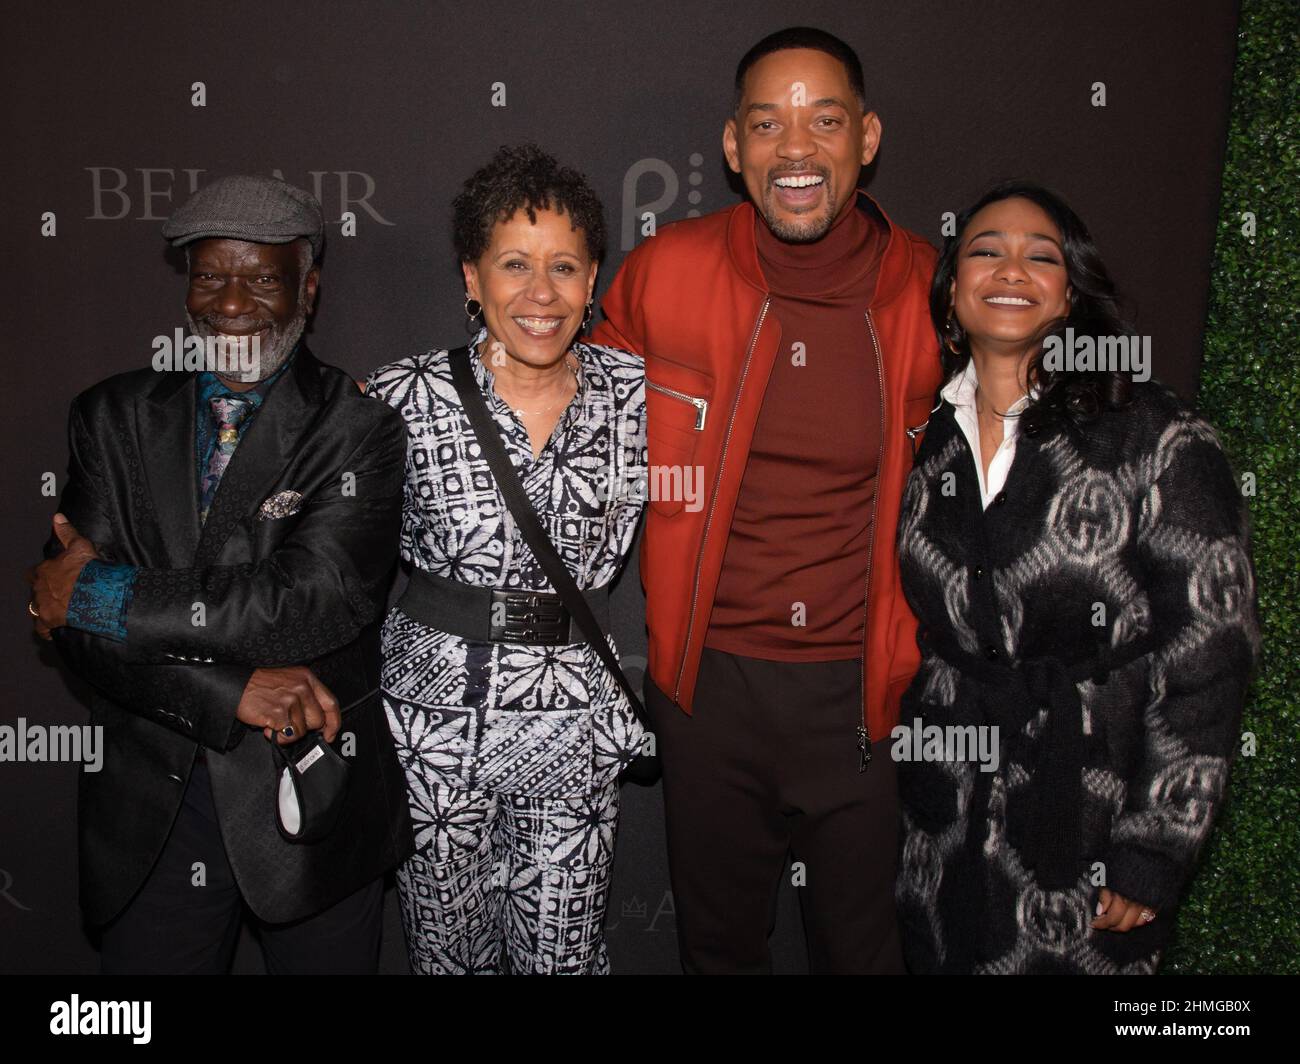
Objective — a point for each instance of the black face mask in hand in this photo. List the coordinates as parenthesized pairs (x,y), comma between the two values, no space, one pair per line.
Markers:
(312,783)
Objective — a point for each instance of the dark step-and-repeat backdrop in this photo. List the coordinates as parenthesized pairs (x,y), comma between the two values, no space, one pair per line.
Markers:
(116,113)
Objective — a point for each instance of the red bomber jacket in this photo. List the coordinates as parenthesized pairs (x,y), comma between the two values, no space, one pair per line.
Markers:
(692,301)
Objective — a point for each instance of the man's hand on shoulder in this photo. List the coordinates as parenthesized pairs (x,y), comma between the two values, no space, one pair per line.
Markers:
(291,696)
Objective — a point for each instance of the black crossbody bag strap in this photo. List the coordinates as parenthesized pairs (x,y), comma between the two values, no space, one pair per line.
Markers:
(489,440)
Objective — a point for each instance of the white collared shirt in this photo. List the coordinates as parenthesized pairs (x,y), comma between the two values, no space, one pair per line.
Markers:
(960,392)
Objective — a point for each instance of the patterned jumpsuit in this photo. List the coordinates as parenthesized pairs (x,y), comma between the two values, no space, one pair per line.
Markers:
(511,751)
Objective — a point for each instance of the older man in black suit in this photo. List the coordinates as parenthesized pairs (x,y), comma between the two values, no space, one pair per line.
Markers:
(218,573)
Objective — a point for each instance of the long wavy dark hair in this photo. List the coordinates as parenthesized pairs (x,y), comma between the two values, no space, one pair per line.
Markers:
(1064,397)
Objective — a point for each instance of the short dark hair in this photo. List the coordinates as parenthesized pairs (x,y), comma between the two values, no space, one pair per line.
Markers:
(1073,397)
(527,178)
(803,37)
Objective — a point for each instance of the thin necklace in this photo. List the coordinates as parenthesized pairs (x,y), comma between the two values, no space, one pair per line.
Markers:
(987,408)
(519,411)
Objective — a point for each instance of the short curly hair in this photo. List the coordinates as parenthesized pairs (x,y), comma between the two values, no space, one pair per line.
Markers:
(523,177)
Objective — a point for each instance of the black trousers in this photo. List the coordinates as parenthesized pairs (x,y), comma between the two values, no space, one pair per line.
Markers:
(178,925)
(768,764)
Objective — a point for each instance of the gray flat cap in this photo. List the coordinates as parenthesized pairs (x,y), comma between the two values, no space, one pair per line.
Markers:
(248,207)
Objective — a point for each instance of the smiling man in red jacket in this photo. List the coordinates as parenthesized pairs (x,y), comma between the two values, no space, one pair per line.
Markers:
(788,352)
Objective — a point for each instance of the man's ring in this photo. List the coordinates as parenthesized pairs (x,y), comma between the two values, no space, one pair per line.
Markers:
(287,731)
(31,608)
(1147,916)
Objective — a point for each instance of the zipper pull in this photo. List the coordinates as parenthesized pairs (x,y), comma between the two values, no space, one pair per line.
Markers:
(864,747)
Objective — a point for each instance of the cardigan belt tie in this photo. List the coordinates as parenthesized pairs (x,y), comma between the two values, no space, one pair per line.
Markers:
(1010,696)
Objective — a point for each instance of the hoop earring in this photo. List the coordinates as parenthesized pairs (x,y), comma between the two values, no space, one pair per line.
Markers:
(587,316)
(478,307)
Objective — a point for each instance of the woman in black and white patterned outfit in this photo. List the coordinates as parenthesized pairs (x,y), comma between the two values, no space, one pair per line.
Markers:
(512,749)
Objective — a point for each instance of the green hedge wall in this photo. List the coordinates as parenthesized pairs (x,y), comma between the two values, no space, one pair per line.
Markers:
(1242,913)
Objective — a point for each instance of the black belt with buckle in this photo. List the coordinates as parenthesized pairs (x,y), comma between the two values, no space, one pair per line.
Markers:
(497,614)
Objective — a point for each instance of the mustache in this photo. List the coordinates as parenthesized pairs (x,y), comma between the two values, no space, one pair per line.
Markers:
(799,168)
(219,322)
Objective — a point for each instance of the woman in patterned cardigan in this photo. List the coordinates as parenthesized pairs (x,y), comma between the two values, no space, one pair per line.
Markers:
(1075,547)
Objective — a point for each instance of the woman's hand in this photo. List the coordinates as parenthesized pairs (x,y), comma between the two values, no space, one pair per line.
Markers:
(1116,913)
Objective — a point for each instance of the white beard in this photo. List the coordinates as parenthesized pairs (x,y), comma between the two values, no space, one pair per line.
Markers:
(267,356)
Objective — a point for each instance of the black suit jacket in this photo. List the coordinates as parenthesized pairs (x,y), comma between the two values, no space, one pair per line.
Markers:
(305,589)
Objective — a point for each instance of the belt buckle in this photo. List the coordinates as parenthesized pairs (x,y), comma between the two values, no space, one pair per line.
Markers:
(532,617)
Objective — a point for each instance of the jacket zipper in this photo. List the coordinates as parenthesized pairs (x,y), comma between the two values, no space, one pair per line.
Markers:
(864,736)
(713,502)
(701,405)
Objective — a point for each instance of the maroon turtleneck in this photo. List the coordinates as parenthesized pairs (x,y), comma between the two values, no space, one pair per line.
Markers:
(802,524)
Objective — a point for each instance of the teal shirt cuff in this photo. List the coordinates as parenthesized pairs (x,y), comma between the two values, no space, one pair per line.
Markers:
(100,599)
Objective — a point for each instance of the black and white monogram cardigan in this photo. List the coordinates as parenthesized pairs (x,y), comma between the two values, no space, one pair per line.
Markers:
(1101,614)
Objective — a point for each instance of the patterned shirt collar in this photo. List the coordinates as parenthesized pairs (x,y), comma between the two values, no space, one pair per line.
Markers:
(587,369)
(210,385)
